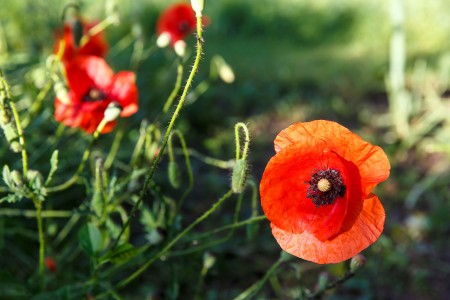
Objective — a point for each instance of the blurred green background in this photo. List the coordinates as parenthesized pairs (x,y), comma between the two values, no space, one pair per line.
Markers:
(294,60)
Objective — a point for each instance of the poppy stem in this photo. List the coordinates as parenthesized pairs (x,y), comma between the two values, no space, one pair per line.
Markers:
(11,105)
(177,87)
(188,166)
(254,288)
(84,159)
(331,285)
(164,250)
(175,115)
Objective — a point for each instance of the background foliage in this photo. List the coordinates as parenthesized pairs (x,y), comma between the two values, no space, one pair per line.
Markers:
(294,61)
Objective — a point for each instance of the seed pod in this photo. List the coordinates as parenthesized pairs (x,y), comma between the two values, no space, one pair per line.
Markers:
(239,176)
(174,174)
(12,137)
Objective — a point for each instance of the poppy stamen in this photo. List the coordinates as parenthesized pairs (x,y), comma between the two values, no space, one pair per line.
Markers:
(94,94)
(325,186)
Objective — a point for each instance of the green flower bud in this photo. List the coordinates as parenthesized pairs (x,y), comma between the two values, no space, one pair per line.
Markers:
(357,262)
(174,174)
(239,176)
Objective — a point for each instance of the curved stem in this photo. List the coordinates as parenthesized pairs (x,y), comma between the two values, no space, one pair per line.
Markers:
(238,143)
(188,168)
(177,87)
(169,130)
(84,159)
(205,215)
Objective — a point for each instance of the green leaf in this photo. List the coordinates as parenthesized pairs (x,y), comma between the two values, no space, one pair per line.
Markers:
(7,177)
(90,239)
(53,166)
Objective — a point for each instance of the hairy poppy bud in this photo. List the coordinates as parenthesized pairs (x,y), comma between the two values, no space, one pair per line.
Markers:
(357,262)
(174,174)
(239,176)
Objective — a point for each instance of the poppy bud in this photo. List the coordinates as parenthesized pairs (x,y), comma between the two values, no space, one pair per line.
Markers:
(357,262)
(12,136)
(197,6)
(208,260)
(239,176)
(180,48)
(174,174)
(226,73)
(112,112)
(77,32)
(163,40)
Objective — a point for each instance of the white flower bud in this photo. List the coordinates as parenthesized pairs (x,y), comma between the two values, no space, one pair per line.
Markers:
(112,112)
(163,40)
(180,48)
(197,6)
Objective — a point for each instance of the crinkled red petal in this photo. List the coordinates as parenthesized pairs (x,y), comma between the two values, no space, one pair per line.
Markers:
(284,186)
(372,162)
(366,228)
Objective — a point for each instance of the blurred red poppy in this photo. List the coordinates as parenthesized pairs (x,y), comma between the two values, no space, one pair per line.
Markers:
(316,191)
(92,87)
(95,45)
(176,22)
(50,264)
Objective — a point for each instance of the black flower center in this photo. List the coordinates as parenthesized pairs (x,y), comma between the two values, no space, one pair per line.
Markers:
(325,186)
(183,26)
(94,94)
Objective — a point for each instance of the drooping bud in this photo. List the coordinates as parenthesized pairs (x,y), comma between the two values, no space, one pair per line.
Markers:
(197,6)
(77,31)
(239,176)
(112,112)
(163,40)
(226,73)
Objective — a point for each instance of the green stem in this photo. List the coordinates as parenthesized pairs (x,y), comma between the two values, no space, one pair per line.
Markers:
(11,212)
(254,288)
(97,29)
(318,293)
(177,87)
(222,164)
(84,159)
(114,148)
(38,205)
(19,130)
(205,215)
(169,130)
(188,168)
(37,104)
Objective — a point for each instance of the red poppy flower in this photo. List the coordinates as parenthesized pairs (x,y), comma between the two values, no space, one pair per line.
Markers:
(175,23)
(92,87)
(95,45)
(50,264)
(316,191)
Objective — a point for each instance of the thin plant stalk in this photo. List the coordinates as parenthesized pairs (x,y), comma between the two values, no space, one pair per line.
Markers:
(254,288)
(169,130)
(177,87)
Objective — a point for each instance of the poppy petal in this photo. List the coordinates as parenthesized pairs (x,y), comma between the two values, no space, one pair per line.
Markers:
(371,160)
(365,230)
(284,187)
(124,91)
